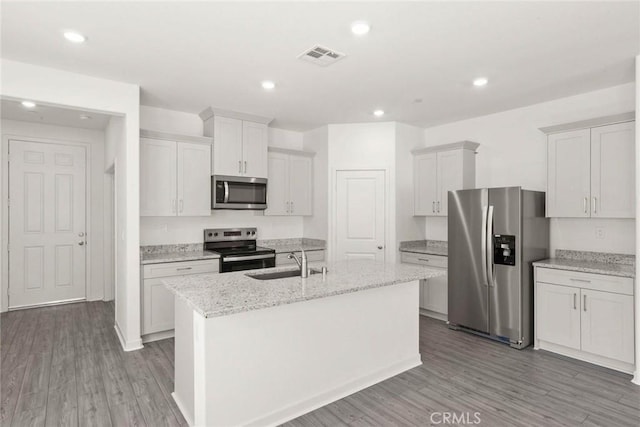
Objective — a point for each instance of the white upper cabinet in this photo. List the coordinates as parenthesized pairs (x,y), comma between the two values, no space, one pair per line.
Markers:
(438,170)
(175,175)
(613,171)
(239,143)
(290,185)
(591,171)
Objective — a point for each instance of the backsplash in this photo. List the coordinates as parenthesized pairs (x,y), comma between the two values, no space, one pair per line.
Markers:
(604,257)
(183,247)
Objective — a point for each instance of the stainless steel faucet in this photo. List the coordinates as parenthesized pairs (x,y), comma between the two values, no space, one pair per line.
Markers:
(302,263)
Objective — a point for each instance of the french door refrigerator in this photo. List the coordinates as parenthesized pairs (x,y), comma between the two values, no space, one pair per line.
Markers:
(494,236)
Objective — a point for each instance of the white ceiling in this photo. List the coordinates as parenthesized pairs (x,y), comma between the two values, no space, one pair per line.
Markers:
(13,110)
(189,55)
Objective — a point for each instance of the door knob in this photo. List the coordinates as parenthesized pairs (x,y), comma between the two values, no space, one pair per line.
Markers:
(379,247)
(81,243)
(81,234)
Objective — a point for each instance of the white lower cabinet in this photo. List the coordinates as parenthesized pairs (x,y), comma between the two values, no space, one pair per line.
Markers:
(157,300)
(433,292)
(586,316)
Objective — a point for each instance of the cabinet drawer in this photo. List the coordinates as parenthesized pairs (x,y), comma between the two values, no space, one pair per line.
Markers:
(597,282)
(281,259)
(424,259)
(181,268)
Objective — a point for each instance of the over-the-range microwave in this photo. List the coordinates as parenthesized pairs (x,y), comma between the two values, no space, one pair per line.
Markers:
(238,192)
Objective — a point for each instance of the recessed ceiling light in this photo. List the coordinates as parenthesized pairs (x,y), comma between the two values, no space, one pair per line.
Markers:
(268,85)
(28,104)
(480,81)
(378,113)
(360,28)
(85,117)
(74,37)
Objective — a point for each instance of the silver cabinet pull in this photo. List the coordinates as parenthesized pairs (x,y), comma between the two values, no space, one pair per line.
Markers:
(438,206)
(183,268)
(433,207)
(584,204)
(595,199)
(286,207)
(575,303)
(181,205)
(239,166)
(292,208)
(173,205)
(584,302)
(579,280)
(423,259)
(245,166)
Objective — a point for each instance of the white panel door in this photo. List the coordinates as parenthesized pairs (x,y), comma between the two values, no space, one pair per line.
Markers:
(47,223)
(425,177)
(558,314)
(194,179)
(227,147)
(569,174)
(254,149)
(360,215)
(449,178)
(300,185)
(607,325)
(613,171)
(278,185)
(157,177)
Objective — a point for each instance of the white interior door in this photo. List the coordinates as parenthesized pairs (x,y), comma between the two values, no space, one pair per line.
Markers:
(360,215)
(47,223)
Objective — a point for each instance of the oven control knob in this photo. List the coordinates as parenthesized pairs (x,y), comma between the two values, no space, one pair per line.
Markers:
(248,232)
(253,233)
(215,234)
(209,234)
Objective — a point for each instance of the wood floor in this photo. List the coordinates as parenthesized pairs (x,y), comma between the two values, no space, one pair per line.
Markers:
(64,366)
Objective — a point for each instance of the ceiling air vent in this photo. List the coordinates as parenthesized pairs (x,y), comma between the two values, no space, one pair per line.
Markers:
(321,56)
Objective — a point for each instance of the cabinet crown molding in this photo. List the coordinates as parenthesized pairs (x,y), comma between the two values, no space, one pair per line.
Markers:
(154,134)
(590,123)
(209,112)
(290,151)
(465,145)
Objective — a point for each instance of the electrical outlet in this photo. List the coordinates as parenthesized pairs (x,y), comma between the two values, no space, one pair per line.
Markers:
(599,232)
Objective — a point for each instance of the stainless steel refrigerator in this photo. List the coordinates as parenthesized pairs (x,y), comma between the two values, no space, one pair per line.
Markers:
(494,236)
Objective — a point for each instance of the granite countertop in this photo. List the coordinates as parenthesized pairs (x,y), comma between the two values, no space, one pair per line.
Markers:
(293,245)
(159,257)
(591,262)
(428,247)
(215,295)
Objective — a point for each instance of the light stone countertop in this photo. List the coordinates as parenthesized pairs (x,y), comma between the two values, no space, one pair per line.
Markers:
(293,245)
(612,269)
(427,247)
(160,257)
(215,295)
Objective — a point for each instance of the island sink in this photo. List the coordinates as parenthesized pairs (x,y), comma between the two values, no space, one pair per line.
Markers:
(275,275)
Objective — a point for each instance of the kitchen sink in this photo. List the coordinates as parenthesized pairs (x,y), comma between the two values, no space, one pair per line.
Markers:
(275,275)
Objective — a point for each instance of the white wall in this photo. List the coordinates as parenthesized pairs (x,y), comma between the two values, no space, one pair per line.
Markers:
(173,230)
(49,86)
(316,226)
(513,152)
(408,227)
(364,146)
(95,140)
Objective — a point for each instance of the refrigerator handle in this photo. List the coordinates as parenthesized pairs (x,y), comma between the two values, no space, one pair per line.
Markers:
(484,245)
(489,244)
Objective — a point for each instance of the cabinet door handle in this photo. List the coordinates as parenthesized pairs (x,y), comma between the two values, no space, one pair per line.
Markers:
(579,280)
(245,166)
(584,205)
(183,268)
(433,207)
(584,302)
(595,200)
(286,207)
(239,166)
(173,205)
(292,208)
(181,205)
(423,259)
(438,206)
(575,302)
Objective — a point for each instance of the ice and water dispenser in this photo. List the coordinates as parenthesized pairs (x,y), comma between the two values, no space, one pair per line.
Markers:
(504,249)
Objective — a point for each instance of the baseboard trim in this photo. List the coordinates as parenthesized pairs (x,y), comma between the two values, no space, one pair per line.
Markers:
(187,416)
(130,345)
(156,336)
(636,378)
(302,407)
(605,362)
(433,314)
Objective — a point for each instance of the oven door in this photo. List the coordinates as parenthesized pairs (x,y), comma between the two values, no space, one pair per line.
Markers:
(246,262)
(238,192)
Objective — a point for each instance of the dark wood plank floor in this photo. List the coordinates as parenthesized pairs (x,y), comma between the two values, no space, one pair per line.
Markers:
(64,366)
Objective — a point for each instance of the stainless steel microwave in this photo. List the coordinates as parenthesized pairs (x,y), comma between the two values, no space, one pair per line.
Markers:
(238,192)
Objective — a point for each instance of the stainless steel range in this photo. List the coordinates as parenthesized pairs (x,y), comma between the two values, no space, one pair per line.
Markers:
(238,250)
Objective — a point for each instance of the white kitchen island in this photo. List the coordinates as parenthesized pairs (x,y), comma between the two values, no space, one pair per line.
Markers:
(252,352)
